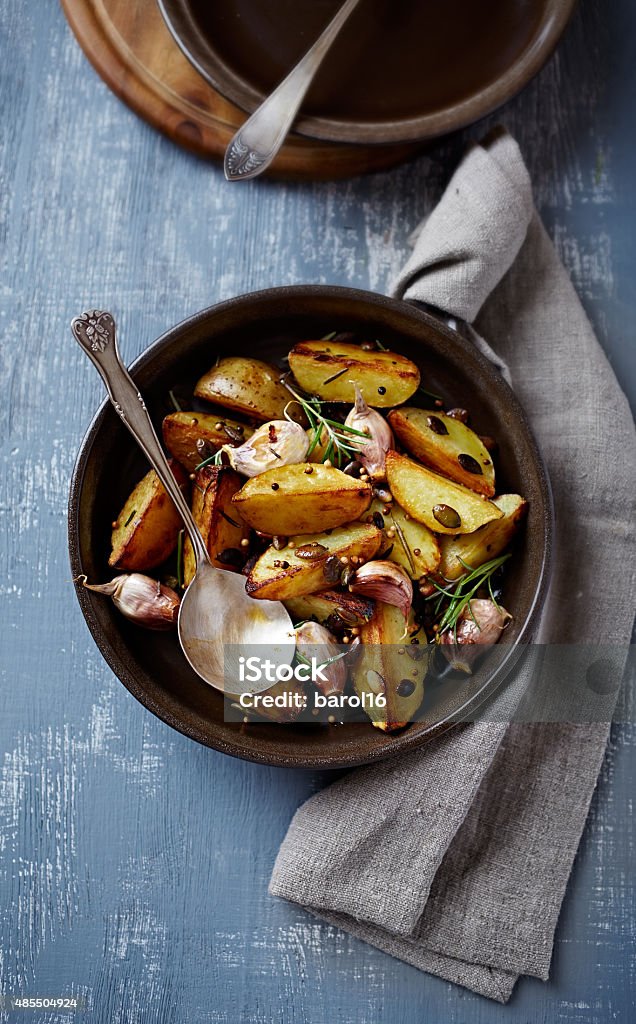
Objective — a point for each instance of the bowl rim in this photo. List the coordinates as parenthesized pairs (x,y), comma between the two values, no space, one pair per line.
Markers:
(555,18)
(395,743)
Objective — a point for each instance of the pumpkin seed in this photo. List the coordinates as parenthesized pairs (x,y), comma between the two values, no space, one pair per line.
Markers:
(470,464)
(405,688)
(311,551)
(331,569)
(447,516)
(233,433)
(350,617)
(436,425)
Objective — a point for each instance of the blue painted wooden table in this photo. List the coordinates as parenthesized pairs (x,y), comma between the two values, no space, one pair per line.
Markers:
(133,863)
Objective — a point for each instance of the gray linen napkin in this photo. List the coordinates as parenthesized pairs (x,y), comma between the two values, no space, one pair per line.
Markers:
(456,856)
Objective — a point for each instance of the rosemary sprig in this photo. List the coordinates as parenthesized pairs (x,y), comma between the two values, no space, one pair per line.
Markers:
(323,664)
(174,401)
(405,544)
(460,593)
(229,519)
(180,559)
(334,376)
(430,394)
(206,462)
(341,441)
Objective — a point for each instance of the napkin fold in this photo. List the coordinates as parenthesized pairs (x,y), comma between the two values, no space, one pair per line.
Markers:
(456,857)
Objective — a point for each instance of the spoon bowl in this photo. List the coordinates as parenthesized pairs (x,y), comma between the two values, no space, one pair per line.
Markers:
(216,630)
(217,619)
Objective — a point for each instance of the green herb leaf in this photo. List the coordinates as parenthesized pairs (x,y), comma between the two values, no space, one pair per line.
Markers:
(461,592)
(180,558)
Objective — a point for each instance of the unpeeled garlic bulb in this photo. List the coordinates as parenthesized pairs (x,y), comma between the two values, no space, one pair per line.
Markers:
(277,443)
(143,600)
(371,453)
(385,581)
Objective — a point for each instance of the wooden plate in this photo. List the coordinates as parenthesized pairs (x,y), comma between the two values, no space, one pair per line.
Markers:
(129,45)
(399,71)
(266,325)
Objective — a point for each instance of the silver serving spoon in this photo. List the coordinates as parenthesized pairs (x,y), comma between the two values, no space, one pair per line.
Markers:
(257,142)
(218,623)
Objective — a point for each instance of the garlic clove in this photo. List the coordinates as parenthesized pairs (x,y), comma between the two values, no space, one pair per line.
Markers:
(371,453)
(385,581)
(141,599)
(481,622)
(277,443)
(322,645)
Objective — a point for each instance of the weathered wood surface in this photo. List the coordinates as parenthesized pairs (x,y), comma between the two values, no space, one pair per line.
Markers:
(133,863)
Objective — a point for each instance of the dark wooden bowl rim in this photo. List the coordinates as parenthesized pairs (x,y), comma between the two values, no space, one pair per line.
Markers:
(201,53)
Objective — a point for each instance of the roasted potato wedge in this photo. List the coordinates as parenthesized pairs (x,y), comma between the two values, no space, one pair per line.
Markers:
(387,666)
(413,547)
(489,541)
(220,523)
(446,445)
(441,504)
(327,369)
(301,498)
(249,387)
(146,530)
(280,575)
(346,609)
(182,430)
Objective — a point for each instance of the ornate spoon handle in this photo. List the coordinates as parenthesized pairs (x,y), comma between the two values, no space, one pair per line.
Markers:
(257,142)
(96,332)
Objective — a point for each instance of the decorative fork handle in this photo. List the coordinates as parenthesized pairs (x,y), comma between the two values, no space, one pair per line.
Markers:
(96,333)
(257,142)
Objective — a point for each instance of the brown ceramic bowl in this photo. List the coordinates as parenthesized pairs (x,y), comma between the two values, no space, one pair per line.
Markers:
(402,71)
(266,324)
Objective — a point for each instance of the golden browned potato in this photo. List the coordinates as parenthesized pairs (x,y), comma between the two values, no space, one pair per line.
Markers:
(146,530)
(311,563)
(489,541)
(414,547)
(301,498)
(328,368)
(182,430)
(249,387)
(441,504)
(446,445)
(220,523)
(347,609)
(386,665)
